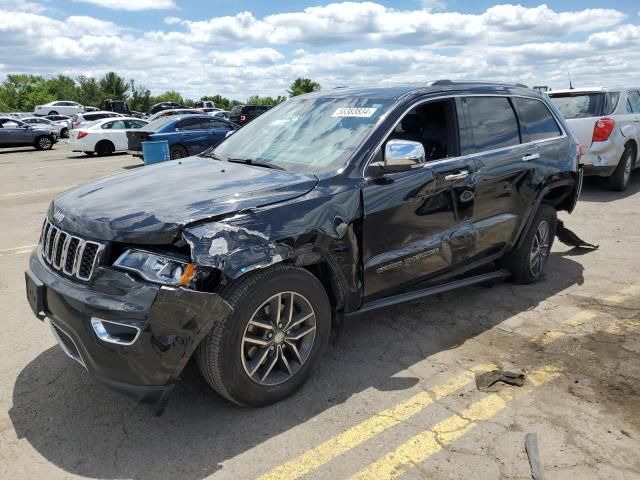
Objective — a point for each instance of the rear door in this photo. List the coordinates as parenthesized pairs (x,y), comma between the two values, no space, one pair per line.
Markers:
(492,137)
(17,133)
(193,134)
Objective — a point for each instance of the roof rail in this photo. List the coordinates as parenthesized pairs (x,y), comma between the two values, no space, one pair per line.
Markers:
(441,82)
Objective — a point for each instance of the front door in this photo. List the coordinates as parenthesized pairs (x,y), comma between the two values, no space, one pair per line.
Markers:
(415,222)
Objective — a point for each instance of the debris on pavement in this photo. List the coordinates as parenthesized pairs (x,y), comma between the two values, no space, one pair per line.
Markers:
(531,447)
(569,238)
(495,380)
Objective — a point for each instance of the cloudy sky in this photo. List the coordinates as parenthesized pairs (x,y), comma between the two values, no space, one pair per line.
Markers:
(243,47)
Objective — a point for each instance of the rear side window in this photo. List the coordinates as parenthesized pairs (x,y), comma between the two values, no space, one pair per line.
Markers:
(536,121)
(493,123)
(633,102)
(190,124)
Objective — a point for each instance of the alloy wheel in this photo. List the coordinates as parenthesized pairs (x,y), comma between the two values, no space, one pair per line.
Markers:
(539,249)
(45,143)
(278,338)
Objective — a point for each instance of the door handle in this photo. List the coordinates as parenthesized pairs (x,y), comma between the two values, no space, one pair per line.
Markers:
(531,156)
(457,176)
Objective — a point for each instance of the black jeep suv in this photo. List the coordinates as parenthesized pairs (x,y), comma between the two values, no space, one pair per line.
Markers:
(329,205)
(243,114)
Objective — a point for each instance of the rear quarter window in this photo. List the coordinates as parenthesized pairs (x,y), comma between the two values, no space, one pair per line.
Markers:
(493,123)
(536,121)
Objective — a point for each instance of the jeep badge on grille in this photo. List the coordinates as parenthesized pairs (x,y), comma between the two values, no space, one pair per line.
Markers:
(58,216)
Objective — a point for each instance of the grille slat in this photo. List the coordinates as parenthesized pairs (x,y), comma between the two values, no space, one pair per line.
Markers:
(73,256)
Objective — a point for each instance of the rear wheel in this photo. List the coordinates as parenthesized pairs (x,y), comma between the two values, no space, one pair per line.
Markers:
(621,176)
(177,152)
(53,112)
(104,147)
(64,133)
(44,143)
(265,349)
(527,262)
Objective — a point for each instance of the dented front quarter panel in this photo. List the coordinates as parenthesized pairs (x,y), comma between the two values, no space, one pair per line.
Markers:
(321,226)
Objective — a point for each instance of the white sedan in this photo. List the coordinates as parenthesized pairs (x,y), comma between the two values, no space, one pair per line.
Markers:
(105,136)
(60,127)
(59,108)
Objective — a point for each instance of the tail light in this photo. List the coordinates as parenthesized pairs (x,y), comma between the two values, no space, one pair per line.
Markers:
(602,129)
(242,118)
(82,135)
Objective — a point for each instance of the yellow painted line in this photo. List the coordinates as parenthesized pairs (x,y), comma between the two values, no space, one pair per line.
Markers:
(33,192)
(581,318)
(369,428)
(422,446)
(548,338)
(624,294)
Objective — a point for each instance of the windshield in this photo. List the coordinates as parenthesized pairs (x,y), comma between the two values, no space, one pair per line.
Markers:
(309,135)
(578,105)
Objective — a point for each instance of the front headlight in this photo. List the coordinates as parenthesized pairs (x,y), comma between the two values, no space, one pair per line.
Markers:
(156,268)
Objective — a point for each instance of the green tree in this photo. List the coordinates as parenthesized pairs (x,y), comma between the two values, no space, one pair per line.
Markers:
(140,99)
(258,100)
(169,96)
(90,93)
(21,92)
(114,86)
(302,85)
(63,88)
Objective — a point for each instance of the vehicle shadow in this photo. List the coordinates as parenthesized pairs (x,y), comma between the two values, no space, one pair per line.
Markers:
(595,189)
(86,429)
(8,151)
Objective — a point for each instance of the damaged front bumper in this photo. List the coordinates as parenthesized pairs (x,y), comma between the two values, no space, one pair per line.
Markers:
(154,329)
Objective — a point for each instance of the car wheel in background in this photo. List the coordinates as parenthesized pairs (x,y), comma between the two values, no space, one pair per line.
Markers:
(619,179)
(264,350)
(105,147)
(64,133)
(177,151)
(44,142)
(527,262)
(53,112)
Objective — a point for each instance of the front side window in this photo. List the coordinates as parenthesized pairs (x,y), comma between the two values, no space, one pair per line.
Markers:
(190,124)
(307,135)
(493,123)
(536,121)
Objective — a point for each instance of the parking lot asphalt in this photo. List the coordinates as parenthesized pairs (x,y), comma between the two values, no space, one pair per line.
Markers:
(394,395)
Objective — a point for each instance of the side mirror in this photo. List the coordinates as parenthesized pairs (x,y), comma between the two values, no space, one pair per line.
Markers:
(403,155)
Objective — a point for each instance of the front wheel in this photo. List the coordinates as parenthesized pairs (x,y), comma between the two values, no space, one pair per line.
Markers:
(265,349)
(44,143)
(64,133)
(527,262)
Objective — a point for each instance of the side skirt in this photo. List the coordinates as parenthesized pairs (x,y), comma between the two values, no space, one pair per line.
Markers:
(427,292)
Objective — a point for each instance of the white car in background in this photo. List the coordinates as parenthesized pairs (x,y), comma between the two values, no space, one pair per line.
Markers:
(60,127)
(81,119)
(174,111)
(606,122)
(105,136)
(62,107)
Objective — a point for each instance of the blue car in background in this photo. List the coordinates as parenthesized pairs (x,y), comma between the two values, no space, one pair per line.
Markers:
(187,134)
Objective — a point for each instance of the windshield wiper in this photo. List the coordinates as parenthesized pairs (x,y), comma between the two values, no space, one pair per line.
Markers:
(257,163)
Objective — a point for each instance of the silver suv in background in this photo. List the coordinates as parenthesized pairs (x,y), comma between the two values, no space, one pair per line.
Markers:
(606,122)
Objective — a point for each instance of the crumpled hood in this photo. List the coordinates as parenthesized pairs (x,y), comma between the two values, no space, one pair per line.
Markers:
(150,205)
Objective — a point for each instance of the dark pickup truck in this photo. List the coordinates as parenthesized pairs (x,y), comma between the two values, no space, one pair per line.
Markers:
(331,205)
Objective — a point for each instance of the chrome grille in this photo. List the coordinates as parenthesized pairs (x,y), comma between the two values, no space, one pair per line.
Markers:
(71,255)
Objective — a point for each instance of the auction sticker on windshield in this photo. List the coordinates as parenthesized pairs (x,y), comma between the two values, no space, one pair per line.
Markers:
(354,112)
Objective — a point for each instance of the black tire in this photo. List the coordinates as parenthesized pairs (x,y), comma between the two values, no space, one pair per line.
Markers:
(221,355)
(64,133)
(520,262)
(44,142)
(177,152)
(619,179)
(104,148)
(53,112)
